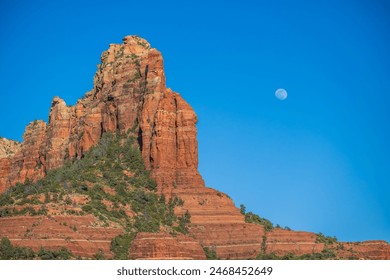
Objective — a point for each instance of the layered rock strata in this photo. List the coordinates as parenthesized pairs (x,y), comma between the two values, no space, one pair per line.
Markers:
(83,236)
(130,93)
(162,246)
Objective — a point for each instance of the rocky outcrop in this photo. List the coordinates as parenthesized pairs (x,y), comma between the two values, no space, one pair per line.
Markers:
(8,148)
(84,236)
(282,242)
(28,161)
(369,250)
(163,246)
(130,94)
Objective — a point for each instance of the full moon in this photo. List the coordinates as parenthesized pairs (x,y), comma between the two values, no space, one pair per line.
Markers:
(281,94)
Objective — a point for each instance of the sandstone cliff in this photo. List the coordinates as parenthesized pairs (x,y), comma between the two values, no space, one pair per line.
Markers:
(130,94)
(8,149)
(129,91)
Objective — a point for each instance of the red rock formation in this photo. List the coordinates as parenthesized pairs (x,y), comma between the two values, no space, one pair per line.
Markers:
(28,161)
(130,93)
(282,242)
(8,148)
(162,246)
(370,250)
(57,134)
(82,235)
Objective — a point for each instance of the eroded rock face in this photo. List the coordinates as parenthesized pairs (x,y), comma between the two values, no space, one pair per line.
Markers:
(369,250)
(28,160)
(84,236)
(282,242)
(8,149)
(163,246)
(130,93)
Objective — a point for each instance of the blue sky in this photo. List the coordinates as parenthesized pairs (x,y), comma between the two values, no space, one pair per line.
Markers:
(317,161)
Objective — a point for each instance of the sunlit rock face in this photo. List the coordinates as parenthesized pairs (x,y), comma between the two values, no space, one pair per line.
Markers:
(130,94)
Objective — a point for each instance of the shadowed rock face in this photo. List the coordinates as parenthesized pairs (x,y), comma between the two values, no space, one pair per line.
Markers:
(130,93)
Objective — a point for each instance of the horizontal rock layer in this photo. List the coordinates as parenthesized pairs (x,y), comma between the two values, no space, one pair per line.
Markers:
(162,246)
(83,236)
(130,94)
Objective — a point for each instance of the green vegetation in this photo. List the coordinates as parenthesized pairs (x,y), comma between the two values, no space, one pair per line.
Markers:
(6,199)
(99,255)
(264,244)
(256,219)
(113,177)
(327,240)
(210,253)
(62,254)
(120,246)
(326,254)
(184,221)
(271,256)
(10,252)
(242,209)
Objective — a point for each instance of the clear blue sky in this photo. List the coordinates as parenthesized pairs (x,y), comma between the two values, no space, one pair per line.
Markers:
(318,161)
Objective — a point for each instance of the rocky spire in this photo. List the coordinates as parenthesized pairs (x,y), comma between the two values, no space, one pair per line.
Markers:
(129,92)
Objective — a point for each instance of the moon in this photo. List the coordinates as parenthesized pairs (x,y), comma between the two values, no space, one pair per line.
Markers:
(281,94)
